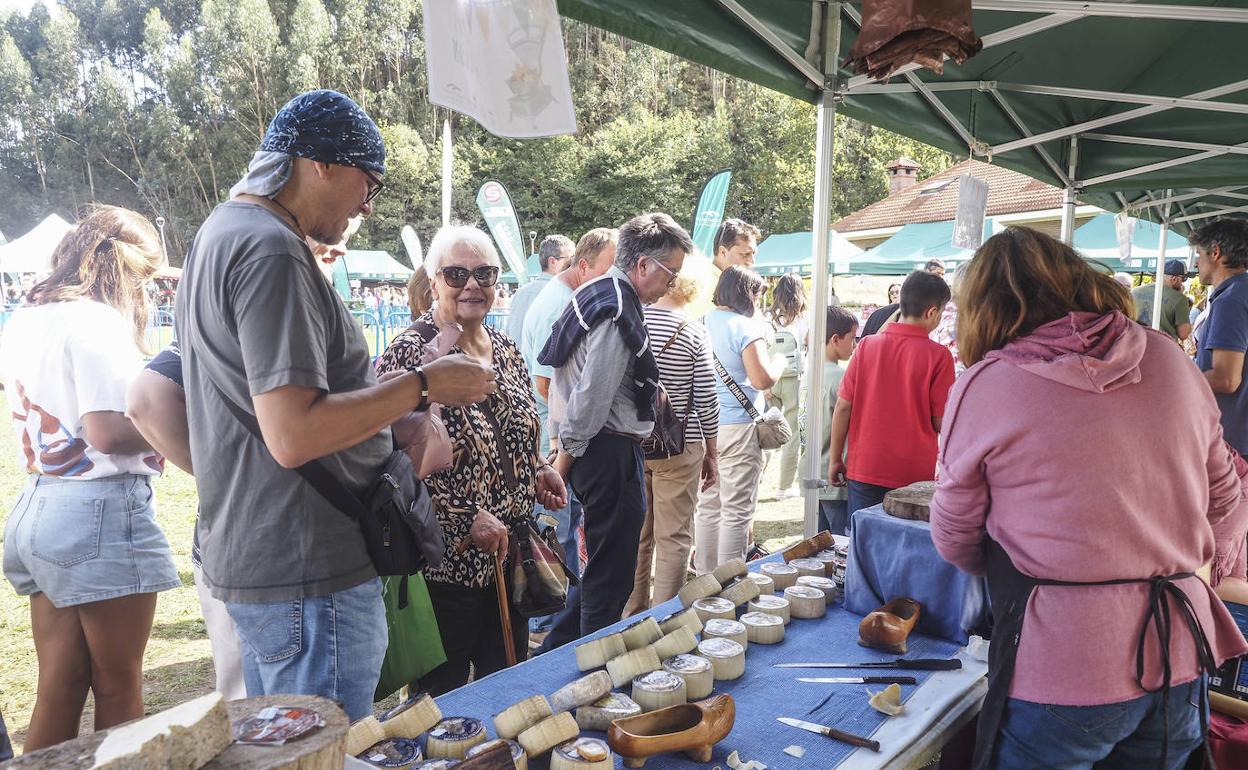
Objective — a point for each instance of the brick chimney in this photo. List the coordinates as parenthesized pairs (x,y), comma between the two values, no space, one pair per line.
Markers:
(903,173)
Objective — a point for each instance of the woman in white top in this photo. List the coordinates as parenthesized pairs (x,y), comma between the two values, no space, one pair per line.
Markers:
(82,540)
(682,350)
(788,339)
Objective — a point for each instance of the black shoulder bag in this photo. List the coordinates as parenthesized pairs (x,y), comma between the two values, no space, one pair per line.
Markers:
(667,439)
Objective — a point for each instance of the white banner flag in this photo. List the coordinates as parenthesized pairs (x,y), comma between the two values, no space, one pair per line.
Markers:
(502,63)
(968,227)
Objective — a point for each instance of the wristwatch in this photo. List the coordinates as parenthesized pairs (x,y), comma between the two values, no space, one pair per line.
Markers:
(423,404)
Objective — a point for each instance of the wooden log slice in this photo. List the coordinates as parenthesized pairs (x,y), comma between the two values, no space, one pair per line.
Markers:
(911,502)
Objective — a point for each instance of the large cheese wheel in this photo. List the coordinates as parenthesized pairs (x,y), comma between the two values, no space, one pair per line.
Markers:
(715,607)
(726,656)
(658,689)
(772,605)
(762,628)
(697,672)
(727,629)
(452,737)
(806,602)
(601,713)
(784,575)
(587,689)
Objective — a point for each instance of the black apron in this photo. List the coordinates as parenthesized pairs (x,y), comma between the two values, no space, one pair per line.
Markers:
(1009,590)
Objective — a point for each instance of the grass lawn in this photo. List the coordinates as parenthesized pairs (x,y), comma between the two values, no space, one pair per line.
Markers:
(178,663)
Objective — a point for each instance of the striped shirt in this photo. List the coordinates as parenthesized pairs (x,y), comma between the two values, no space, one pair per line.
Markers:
(687,360)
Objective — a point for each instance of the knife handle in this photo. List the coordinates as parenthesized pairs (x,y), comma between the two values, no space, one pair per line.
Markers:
(889,680)
(851,739)
(928,664)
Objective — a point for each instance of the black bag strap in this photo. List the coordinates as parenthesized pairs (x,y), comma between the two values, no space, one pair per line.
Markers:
(735,390)
(692,377)
(314,472)
(672,338)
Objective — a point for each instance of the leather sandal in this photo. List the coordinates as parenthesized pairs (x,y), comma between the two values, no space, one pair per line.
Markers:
(693,728)
(888,627)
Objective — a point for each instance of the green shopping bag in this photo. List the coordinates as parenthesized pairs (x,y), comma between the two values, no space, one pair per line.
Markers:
(415,646)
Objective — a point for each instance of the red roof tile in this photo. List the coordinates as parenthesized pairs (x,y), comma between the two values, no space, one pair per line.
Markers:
(935,199)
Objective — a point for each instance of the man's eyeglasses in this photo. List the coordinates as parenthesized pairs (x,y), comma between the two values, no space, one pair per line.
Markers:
(374,185)
(671,281)
(457,277)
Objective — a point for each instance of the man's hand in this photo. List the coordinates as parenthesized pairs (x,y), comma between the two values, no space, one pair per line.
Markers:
(563,464)
(710,471)
(551,492)
(488,534)
(457,380)
(836,472)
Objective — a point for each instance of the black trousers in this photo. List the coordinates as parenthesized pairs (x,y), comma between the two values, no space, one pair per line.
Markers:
(609,481)
(471,631)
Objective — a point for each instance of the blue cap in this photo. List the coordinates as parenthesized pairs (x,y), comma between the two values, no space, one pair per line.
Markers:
(1176,267)
(329,127)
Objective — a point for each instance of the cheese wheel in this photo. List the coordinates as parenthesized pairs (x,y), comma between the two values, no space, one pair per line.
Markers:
(630,665)
(811,567)
(643,632)
(827,585)
(587,689)
(697,672)
(698,588)
(582,754)
(658,689)
(411,717)
(715,607)
(680,640)
(726,656)
(435,764)
(772,605)
(730,569)
(763,628)
(741,592)
(548,733)
(392,752)
(727,629)
(364,733)
(599,714)
(452,737)
(686,618)
(518,756)
(784,575)
(519,717)
(765,584)
(806,602)
(830,560)
(595,654)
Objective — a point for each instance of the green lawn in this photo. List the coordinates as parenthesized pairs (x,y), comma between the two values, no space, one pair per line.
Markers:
(178,663)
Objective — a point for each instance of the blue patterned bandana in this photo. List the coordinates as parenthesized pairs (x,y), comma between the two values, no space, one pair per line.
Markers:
(329,127)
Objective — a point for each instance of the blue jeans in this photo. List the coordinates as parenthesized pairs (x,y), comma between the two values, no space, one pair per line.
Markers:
(569,517)
(330,646)
(1126,735)
(834,516)
(863,495)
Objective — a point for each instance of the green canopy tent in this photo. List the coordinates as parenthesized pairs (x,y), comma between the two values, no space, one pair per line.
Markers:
(1128,105)
(359,265)
(911,248)
(532,267)
(1097,240)
(791,253)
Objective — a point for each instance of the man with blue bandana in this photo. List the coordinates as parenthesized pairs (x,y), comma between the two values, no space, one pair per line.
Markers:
(258,325)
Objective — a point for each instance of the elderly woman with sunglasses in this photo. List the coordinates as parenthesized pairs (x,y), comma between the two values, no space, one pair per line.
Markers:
(497,472)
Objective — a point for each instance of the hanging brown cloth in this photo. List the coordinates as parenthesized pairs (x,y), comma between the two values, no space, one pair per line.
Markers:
(897,32)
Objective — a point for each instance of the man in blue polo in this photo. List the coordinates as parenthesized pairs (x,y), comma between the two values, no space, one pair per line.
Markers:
(1222,333)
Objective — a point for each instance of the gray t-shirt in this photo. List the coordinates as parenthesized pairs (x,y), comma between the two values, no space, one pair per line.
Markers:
(255,314)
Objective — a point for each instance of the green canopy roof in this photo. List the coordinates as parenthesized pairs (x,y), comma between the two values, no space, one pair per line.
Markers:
(1097,240)
(910,249)
(791,252)
(372,266)
(532,267)
(1156,94)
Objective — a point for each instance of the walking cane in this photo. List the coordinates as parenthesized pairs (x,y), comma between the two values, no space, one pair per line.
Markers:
(504,609)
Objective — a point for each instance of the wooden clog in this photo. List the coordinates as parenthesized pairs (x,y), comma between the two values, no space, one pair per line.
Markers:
(693,728)
(888,627)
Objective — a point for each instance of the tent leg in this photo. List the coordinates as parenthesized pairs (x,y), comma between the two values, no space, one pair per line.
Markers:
(824,136)
(1161,269)
(1068,216)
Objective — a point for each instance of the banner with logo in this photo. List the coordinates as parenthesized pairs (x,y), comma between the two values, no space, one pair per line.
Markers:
(502,63)
(968,226)
(710,211)
(500,217)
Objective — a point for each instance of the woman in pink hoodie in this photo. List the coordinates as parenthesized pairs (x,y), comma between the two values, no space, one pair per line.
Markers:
(1081,468)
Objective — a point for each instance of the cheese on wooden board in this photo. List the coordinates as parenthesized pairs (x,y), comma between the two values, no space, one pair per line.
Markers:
(188,737)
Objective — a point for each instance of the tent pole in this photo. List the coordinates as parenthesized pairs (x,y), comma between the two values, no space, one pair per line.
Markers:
(1161,266)
(1068,198)
(824,137)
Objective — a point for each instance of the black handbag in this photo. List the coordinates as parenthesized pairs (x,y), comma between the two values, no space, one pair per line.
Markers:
(539,570)
(667,439)
(396,517)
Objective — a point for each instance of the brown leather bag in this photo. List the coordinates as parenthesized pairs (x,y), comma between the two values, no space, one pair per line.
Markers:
(667,439)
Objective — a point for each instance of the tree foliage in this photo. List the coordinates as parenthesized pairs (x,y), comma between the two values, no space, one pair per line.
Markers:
(159,104)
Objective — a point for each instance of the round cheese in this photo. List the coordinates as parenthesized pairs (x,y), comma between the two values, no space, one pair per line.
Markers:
(697,672)
(726,656)
(733,568)
(658,689)
(595,653)
(680,640)
(393,752)
(452,737)
(772,605)
(643,632)
(806,602)
(765,584)
(741,592)
(727,629)
(599,714)
(715,607)
(411,717)
(784,575)
(548,733)
(687,618)
(435,764)
(812,567)
(763,628)
(519,717)
(518,756)
(698,588)
(827,585)
(364,733)
(582,754)
(632,664)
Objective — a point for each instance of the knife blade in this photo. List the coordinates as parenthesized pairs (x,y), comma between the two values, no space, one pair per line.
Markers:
(858,679)
(915,664)
(831,732)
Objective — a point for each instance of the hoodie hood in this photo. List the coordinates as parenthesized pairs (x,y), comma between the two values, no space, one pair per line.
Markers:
(1095,353)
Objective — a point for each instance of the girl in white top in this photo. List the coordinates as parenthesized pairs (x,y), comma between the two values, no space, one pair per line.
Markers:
(82,540)
(788,321)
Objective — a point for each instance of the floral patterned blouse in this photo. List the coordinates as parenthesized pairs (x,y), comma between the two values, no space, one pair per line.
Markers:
(494,445)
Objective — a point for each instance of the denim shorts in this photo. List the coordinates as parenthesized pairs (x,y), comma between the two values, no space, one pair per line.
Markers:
(81,541)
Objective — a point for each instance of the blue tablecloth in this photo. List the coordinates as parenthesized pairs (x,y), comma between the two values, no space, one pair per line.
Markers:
(891,557)
(763,694)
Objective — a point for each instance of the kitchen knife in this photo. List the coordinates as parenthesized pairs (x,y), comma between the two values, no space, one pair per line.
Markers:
(830,732)
(858,679)
(915,664)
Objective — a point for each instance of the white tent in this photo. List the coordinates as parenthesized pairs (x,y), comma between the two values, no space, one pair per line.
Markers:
(32,253)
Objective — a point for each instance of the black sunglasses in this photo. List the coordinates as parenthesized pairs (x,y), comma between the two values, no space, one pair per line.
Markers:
(457,277)
(374,185)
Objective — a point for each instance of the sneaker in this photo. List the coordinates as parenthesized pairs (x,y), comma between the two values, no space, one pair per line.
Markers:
(786,493)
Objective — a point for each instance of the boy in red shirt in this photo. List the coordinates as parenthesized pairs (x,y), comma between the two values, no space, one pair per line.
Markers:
(892,399)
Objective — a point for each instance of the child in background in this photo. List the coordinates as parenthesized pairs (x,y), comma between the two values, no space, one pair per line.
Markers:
(892,399)
(840,338)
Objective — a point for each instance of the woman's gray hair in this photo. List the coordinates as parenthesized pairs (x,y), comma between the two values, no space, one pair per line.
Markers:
(449,237)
